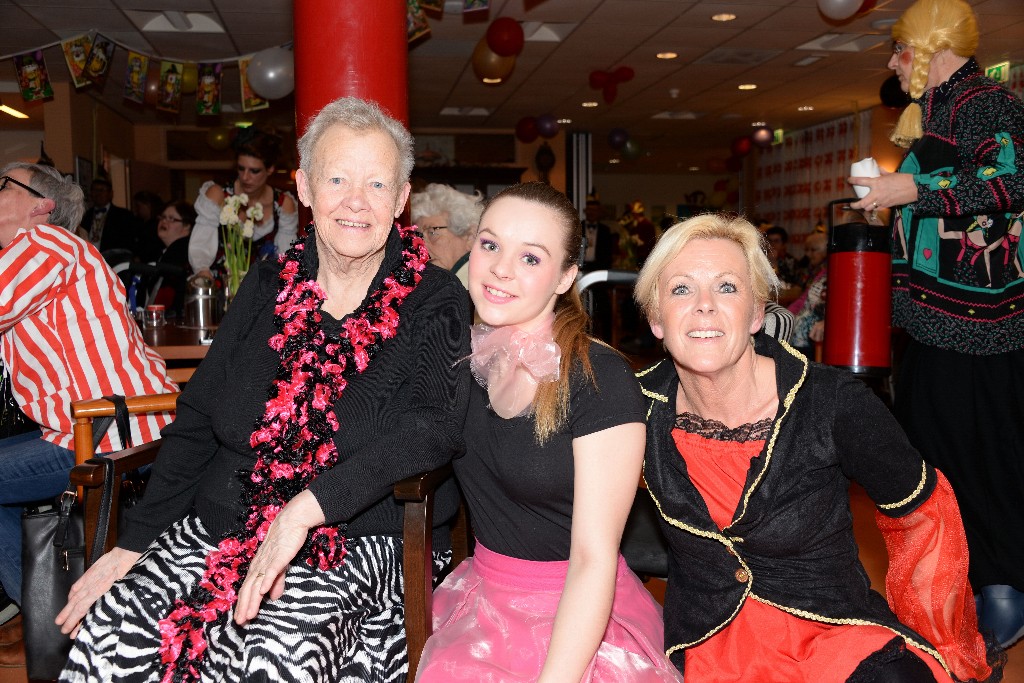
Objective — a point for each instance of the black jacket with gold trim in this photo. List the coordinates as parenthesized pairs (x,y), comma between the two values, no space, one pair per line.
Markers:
(791,541)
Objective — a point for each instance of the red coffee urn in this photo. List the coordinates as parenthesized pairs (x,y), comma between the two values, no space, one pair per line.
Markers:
(858,304)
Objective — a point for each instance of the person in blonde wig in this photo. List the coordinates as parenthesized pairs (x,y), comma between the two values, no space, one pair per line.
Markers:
(750,452)
(958,288)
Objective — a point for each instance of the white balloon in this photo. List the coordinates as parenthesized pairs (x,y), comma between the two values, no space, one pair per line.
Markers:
(271,73)
(838,10)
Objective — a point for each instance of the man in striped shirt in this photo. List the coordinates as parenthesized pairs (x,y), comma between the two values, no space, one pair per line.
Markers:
(65,334)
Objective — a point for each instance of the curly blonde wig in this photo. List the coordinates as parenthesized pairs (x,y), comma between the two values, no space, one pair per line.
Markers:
(930,26)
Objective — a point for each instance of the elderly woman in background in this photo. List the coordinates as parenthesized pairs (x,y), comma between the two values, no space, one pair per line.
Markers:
(256,158)
(958,274)
(750,453)
(343,355)
(448,219)
(167,282)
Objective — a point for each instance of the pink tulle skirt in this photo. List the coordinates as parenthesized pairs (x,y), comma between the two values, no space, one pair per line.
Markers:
(493,617)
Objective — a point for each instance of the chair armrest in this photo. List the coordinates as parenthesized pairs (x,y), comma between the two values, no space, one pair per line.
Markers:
(418,487)
(90,475)
(150,403)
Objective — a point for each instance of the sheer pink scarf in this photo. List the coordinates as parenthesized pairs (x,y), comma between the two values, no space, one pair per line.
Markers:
(510,363)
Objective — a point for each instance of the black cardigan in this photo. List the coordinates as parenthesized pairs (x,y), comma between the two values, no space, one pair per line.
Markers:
(402,416)
(791,541)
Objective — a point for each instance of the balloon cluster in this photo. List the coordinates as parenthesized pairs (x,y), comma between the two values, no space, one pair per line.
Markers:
(841,10)
(608,81)
(529,128)
(494,57)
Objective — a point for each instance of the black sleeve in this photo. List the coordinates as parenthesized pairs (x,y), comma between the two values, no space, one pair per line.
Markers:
(615,400)
(876,453)
(189,443)
(428,432)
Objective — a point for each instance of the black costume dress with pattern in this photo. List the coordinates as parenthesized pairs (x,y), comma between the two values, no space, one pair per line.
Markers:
(958,291)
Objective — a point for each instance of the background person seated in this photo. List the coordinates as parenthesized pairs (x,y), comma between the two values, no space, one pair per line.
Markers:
(66,335)
(448,219)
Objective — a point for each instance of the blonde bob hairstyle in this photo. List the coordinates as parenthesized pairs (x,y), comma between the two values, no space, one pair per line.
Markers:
(707,226)
(930,26)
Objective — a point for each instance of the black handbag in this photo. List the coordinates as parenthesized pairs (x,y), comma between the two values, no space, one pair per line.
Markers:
(53,558)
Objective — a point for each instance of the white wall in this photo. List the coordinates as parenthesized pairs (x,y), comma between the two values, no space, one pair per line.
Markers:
(20,145)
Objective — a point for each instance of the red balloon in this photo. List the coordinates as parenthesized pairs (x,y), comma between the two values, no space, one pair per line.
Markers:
(598,79)
(741,146)
(526,130)
(505,37)
(610,92)
(623,74)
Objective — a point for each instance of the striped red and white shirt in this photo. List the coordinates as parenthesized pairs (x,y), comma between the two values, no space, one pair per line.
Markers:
(66,334)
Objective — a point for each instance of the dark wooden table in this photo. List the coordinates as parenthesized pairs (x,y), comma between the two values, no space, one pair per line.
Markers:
(177,342)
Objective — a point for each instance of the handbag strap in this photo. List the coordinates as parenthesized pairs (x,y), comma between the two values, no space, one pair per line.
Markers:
(67,502)
(101,424)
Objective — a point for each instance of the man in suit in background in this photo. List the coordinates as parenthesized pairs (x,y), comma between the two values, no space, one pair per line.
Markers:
(108,226)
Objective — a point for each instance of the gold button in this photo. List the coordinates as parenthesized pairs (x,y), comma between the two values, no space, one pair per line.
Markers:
(742,575)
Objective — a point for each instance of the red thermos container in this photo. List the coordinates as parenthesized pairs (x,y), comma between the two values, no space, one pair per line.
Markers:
(858,304)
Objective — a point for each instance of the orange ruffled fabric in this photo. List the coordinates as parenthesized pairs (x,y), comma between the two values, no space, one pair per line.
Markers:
(763,643)
(927,586)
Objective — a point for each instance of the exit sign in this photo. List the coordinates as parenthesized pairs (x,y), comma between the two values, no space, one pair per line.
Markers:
(1000,73)
(778,135)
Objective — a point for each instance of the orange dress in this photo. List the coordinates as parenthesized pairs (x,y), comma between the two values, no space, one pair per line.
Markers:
(763,643)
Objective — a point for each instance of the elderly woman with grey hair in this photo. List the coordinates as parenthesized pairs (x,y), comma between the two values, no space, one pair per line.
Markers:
(750,452)
(268,545)
(448,220)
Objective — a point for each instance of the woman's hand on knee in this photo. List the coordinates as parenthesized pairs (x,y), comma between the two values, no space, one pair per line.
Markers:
(285,538)
(96,581)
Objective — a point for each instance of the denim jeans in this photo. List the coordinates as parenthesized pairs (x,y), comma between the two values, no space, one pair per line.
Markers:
(31,470)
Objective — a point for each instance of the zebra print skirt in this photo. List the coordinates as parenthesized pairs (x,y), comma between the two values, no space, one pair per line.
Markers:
(345,624)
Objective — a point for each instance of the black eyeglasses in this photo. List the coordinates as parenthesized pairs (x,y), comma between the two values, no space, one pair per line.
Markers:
(8,179)
(170,219)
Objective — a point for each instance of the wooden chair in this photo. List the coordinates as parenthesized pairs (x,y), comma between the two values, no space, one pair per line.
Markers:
(415,493)
(89,477)
(417,496)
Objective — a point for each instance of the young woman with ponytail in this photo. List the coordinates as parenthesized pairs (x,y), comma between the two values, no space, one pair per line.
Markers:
(554,444)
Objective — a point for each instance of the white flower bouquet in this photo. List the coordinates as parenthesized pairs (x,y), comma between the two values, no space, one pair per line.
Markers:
(237,222)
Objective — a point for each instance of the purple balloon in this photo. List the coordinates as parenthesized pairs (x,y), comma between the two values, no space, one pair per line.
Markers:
(617,138)
(547,126)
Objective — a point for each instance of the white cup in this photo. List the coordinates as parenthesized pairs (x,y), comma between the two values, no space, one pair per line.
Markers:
(865,168)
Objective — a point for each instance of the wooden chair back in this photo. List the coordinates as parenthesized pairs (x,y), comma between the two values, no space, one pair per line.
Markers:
(89,477)
(417,496)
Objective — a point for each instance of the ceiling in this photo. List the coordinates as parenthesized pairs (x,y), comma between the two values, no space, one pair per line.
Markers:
(681,113)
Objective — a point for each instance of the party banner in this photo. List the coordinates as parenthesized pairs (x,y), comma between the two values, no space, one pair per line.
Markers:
(250,100)
(416,26)
(208,89)
(33,80)
(169,98)
(76,51)
(475,6)
(135,77)
(432,5)
(97,65)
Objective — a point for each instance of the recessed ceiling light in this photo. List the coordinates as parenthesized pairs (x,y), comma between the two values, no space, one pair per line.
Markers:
(565,122)
(491,81)
(614,161)
(590,105)
(667,55)
(747,86)
(723,16)
(806,107)
(12,112)
(695,168)
(758,124)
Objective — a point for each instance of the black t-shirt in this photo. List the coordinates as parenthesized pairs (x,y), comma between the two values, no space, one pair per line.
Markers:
(519,493)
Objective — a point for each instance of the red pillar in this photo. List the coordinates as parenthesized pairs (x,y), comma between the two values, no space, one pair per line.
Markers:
(350,48)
